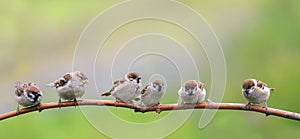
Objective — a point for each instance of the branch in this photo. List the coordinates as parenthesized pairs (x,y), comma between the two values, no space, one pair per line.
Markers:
(161,107)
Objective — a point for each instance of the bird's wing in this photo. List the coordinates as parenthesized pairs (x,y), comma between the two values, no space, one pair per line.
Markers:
(144,91)
(58,83)
(262,85)
(19,88)
(200,84)
(67,76)
(116,83)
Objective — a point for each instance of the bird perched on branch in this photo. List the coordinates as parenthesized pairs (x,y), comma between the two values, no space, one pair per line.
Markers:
(126,89)
(192,92)
(152,94)
(256,92)
(71,86)
(28,94)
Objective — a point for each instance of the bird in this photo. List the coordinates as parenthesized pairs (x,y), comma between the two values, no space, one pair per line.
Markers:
(71,86)
(256,92)
(192,92)
(125,89)
(152,93)
(28,94)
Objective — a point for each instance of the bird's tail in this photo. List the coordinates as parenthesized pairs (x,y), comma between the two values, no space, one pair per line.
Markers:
(106,93)
(272,89)
(51,85)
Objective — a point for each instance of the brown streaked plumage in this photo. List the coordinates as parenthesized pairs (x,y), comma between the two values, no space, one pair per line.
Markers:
(125,89)
(146,88)
(192,92)
(71,86)
(190,84)
(133,75)
(27,94)
(248,83)
(256,92)
(116,83)
(152,94)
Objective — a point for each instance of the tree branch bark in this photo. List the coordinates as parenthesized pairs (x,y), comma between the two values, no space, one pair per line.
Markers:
(161,107)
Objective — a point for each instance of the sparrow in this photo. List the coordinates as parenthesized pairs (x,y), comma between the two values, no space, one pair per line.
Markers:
(71,86)
(126,89)
(28,94)
(256,92)
(152,94)
(192,92)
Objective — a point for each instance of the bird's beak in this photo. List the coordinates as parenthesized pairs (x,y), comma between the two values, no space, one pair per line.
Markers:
(246,92)
(85,81)
(159,88)
(190,92)
(138,79)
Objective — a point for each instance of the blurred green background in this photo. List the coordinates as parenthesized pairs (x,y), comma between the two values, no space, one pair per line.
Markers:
(259,38)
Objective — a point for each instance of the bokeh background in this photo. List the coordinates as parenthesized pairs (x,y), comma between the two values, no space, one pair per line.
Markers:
(259,38)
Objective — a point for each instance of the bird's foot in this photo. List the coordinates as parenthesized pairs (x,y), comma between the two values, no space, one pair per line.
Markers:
(267,110)
(117,102)
(38,106)
(17,111)
(158,110)
(209,101)
(75,102)
(59,103)
(247,107)
(131,104)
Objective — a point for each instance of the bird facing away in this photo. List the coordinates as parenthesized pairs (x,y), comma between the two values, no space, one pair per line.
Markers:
(126,89)
(28,94)
(192,92)
(256,92)
(71,86)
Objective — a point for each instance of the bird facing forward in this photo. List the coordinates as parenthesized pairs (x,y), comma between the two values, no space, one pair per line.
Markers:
(28,94)
(152,93)
(192,92)
(256,92)
(71,86)
(126,89)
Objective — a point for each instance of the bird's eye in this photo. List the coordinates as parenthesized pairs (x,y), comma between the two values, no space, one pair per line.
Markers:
(131,79)
(185,90)
(154,85)
(252,88)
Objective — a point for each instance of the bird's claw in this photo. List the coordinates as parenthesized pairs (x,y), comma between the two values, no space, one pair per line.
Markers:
(117,102)
(17,111)
(158,110)
(59,103)
(39,107)
(75,102)
(209,101)
(131,104)
(247,107)
(267,110)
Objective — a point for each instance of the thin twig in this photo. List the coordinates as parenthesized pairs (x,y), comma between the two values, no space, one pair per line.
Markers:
(162,107)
